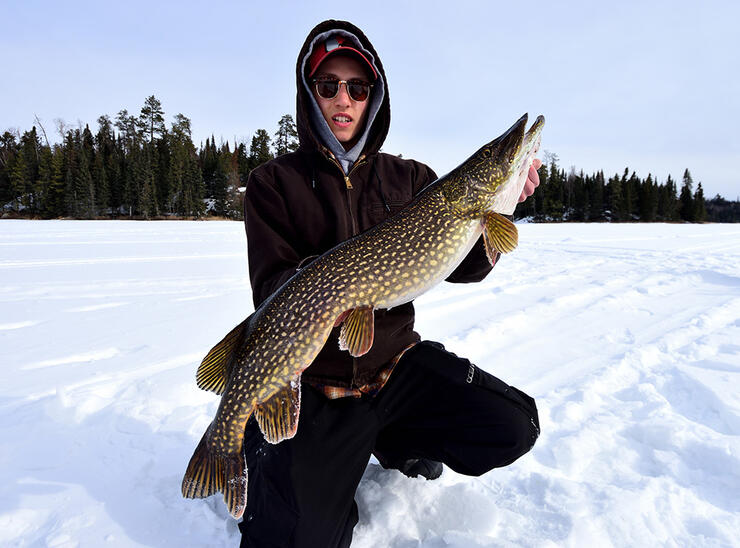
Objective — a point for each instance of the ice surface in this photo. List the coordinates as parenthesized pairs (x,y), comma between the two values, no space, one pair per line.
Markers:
(627,335)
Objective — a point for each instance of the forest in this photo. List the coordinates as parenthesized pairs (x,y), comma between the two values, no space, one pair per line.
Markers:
(135,167)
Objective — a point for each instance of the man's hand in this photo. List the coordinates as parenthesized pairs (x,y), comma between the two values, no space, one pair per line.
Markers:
(533,180)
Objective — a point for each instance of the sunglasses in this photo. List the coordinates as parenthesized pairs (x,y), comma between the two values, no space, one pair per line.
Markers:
(328,88)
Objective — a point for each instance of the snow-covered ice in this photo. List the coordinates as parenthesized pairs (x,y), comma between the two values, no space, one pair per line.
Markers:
(627,335)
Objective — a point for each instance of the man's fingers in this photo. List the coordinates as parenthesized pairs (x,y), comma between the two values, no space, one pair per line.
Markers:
(533,180)
(527,191)
(534,177)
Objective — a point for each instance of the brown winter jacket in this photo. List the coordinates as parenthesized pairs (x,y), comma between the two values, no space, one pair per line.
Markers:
(300,205)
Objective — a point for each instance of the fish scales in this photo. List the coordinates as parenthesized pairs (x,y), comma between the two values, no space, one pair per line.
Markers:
(388,265)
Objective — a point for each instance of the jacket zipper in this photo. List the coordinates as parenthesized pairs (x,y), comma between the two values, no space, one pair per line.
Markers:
(348,184)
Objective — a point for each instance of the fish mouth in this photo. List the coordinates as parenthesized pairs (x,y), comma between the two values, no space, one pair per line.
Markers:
(516,150)
(516,143)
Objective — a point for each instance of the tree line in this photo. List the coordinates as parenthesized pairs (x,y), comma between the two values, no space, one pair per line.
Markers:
(575,196)
(135,166)
(131,167)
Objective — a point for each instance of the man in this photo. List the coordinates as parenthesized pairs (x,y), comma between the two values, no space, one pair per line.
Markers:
(412,404)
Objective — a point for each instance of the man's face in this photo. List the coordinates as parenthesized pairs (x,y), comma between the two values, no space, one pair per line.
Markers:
(345,116)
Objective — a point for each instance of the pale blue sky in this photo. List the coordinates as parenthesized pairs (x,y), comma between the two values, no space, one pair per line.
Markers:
(649,85)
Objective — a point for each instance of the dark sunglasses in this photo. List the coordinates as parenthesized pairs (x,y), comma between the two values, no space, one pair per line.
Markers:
(328,88)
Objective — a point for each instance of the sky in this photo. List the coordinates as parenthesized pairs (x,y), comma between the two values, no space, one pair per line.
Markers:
(652,86)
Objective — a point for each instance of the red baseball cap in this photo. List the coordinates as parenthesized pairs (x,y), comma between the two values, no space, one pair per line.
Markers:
(331,45)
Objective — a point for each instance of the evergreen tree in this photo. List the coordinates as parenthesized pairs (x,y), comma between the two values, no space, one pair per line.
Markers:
(615,199)
(286,137)
(45,181)
(84,188)
(104,170)
(648,200)
(553,195)
(151,120)
(25,173)
(54,206)
(243,163)
(69,166)
(667,201)
(632,197)
(686,199)
(700,209)
(8,150)
(20,183)
(127,125)
(597,197)
(233,197)
(259,150)
(145,174)
(220,183)
(186,183)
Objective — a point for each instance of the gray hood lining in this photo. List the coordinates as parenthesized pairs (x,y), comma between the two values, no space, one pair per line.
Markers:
(349,157)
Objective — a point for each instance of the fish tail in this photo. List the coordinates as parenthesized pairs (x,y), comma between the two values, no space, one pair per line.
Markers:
(210,472)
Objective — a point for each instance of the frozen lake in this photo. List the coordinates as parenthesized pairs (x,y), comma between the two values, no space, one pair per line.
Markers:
(628,336)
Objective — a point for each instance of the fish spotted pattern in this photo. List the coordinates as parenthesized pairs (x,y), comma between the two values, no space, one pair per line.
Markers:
(257,366)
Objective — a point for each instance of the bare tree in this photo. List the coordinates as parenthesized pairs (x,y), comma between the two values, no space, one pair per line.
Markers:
(61,126)
(38,123)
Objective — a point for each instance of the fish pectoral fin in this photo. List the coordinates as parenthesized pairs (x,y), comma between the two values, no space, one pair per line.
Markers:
(209,472)
(278,416)
(215,369)
(358,331)
(500,235)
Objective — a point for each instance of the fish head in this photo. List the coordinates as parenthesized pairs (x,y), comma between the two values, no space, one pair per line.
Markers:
(493,178)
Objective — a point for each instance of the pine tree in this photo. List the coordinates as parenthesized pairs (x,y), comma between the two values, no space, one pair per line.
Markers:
(668,201)
(127,125)
(104,171)
(615,199)
(54,206)
(84,188)
(220,183)
(25,173)
(259,150)
(46,180)
(286,137)
(243,163)
(184,174)
(686,199)
(700,209)
(20,183)
(69,166)
(553,195)
(151,120)
(597,197)
(8,150)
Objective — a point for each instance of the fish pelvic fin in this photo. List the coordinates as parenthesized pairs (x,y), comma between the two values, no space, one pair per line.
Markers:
(209,472)
(278,416)
(500,235)
(215,369)
(358,331)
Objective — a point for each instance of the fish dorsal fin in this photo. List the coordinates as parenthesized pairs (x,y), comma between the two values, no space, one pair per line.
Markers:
(358,331)
(278,416)
(215,369)
(500,235)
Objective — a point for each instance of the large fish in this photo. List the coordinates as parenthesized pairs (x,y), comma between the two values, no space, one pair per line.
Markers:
(257,366)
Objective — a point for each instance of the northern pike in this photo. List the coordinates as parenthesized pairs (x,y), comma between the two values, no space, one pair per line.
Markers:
(257,367)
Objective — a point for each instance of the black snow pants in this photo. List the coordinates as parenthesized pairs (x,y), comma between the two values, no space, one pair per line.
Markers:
(435,405)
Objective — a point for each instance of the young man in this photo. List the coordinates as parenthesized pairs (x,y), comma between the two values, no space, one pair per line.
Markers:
(412,404)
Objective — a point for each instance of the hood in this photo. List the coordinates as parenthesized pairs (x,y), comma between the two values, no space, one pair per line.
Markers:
(313,132)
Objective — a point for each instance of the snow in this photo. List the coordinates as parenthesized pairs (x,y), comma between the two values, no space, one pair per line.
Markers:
(628,336)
